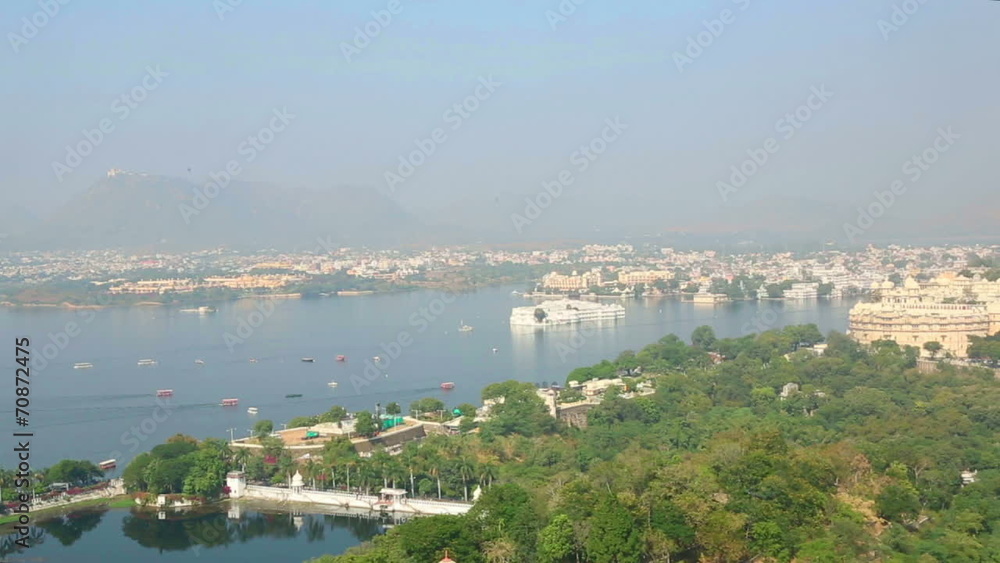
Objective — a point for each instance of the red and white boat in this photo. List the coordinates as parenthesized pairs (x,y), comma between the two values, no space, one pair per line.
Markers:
(341,358)
(165,393)
(447,385)
(108,464)
(230,402)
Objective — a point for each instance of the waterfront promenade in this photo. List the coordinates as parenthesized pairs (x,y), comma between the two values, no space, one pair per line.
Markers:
(389,501)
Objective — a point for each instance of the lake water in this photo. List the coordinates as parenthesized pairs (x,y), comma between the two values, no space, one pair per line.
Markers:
(123,535)
(110,411)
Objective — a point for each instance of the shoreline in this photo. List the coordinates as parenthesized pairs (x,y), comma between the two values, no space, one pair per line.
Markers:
(118,501)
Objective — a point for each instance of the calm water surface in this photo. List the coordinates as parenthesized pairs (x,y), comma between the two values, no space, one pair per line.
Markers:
(110,411)
(121,535)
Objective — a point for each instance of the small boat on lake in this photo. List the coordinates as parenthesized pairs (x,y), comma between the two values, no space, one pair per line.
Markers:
(308,360)
(147,362)
(83,365)
(332,384)
(252,410)
(447,386)
(108,464)
(293,395)
(378,359)
(464,327)
(341,358)
(200,362)
(165,393)
(229,402)
(253,360)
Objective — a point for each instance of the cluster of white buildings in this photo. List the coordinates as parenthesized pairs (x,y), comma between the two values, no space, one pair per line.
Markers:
(565,311)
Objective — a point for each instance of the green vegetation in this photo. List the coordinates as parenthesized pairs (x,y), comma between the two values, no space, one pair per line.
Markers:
(986,348)
(181,466)
(863,463)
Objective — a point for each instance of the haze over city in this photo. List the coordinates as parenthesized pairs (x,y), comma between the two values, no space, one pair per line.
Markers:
(530,281)
(691,108)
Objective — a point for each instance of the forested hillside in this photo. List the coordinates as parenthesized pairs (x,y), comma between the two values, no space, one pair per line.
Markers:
(863,463)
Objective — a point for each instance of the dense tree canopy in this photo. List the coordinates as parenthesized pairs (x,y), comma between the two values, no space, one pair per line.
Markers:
(862,463)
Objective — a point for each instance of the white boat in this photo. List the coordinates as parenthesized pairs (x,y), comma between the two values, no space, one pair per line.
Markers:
(200,362)
(332,384)
(83,365)
(147,362)
(464,327)
(377,359)
(253,360)
(495,350)
(252,410)
(308,360)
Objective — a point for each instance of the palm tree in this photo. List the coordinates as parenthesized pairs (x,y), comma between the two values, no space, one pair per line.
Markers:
(487,473)
(309,470)
(350,464)
(241,456)
(435,472)
(412,463)
(466,468)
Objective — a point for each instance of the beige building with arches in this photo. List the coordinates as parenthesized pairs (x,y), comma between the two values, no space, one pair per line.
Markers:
(945,310)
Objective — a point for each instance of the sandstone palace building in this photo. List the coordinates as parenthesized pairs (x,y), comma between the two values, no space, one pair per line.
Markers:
(948,309)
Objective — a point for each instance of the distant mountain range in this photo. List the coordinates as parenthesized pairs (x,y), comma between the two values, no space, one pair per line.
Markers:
(157,212)
(146,212)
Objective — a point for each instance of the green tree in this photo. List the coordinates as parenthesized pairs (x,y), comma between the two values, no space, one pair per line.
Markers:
(263,428)
(703,337)
(364,424)
(393,409)
(933,347)
(556,541)
(614,536)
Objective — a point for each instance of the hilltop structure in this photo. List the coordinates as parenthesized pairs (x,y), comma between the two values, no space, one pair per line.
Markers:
(947,310)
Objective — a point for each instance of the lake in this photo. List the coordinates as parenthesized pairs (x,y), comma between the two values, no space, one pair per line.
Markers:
(110,411)
(219,535)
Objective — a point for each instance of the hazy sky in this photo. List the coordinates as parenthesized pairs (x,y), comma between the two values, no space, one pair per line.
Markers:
(353,120)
